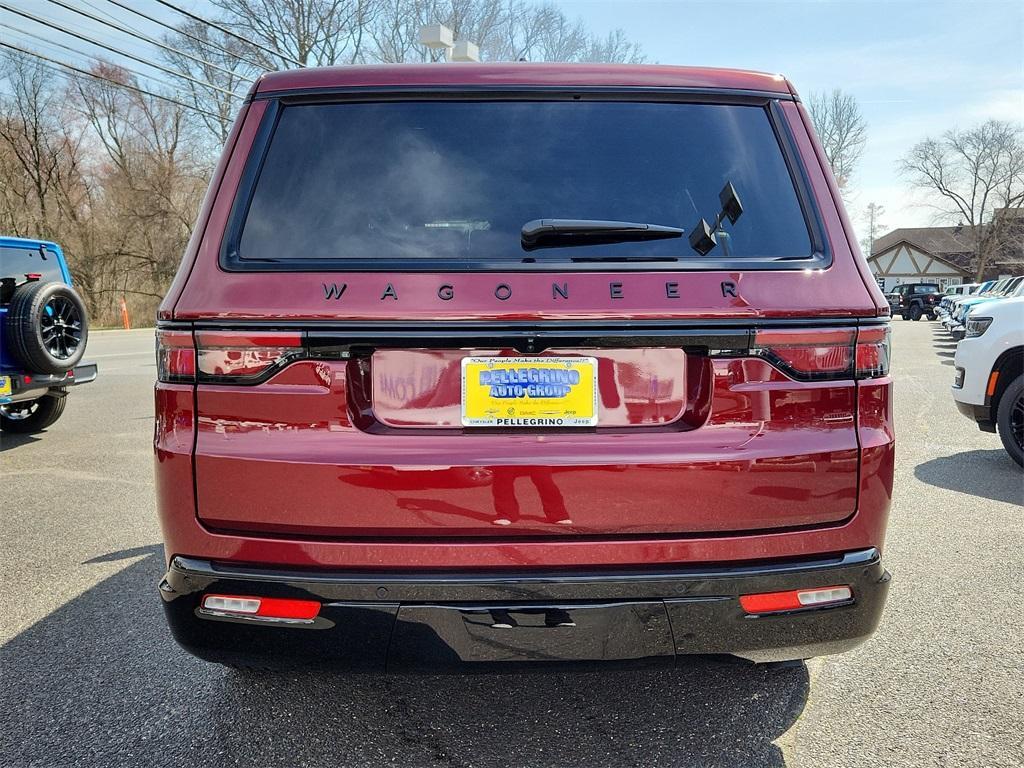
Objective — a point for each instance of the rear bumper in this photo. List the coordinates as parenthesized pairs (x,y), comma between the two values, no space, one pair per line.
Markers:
(29,386)
(461,621)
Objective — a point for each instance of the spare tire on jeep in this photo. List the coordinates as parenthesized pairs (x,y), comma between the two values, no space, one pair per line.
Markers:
(46,328)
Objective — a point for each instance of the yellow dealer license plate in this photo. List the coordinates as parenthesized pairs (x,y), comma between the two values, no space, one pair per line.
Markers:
(529,391)
(5,385)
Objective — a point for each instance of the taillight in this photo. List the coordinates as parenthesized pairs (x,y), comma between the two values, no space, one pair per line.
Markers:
(227,357)
(175,356)
(872,352)
(826,353)
(808,354)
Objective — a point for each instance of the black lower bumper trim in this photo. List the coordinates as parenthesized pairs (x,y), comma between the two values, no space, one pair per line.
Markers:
(460,621)
(29,386)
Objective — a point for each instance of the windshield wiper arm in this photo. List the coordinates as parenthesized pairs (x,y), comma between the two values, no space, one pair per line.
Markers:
(554,233)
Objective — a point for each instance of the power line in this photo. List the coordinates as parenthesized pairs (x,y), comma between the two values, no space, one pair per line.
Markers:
(138,35)
(176,30)
(87,73)
(54,44)
(227,31)
(93,41)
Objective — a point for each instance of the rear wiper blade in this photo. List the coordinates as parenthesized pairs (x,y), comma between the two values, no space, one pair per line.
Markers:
(555,233)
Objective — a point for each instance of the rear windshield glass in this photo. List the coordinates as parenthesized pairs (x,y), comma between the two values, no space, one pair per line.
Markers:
(20,262)
(425,182)
(926,289)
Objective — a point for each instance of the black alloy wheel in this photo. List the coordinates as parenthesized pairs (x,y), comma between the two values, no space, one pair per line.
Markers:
(62,325)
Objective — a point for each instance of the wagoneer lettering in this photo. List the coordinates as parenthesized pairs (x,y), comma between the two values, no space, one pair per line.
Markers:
(489,363)
(503,291)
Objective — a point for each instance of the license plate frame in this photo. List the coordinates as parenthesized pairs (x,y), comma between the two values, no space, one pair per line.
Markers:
(524,392)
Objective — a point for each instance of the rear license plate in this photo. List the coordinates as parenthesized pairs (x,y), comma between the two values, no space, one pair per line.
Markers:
(5,386)
(529,391)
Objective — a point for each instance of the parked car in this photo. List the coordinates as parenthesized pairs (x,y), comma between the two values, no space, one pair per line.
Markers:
(1003,289)
(44,329)
(952,318)
(912,301)
(452,374)
(989,372)
(954,292)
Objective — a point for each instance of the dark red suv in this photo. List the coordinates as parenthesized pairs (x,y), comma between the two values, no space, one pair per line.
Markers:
(522,363)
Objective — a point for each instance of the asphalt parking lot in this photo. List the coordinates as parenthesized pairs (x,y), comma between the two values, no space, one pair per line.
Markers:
(89,675)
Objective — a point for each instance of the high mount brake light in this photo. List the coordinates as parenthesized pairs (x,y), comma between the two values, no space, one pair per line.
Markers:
(826,353)
(224,356)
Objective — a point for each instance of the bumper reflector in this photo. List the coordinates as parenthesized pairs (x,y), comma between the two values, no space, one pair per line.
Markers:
(770,602)
(993,379)
(264,607)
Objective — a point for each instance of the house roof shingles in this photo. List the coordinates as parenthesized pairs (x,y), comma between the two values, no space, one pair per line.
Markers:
(939,241)
(955,245)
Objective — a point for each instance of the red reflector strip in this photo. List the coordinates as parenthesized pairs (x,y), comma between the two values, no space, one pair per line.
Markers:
(266,607)
(772,602)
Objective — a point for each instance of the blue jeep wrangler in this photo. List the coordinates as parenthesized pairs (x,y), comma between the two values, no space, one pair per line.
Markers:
(43,332)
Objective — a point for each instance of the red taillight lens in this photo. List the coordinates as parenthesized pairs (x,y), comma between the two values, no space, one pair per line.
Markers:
(175,356)
(873,352)
(224,356)
(826,353)
(263,607)
(772,602)
(809,354)
(244,355)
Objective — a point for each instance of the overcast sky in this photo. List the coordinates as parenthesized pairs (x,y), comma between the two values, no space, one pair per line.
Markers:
(917,68)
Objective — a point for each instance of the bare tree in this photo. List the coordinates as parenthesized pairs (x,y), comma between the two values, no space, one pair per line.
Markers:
(35,148)
(311,32)
(873,217)
(149,181)
(972,175)
(841,128)
(226,63)
(116,173)
(505,30)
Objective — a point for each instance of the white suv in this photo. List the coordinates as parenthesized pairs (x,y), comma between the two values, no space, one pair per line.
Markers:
(989,384)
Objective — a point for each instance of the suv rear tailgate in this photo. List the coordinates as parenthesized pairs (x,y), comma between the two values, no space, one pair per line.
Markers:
(739,446)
